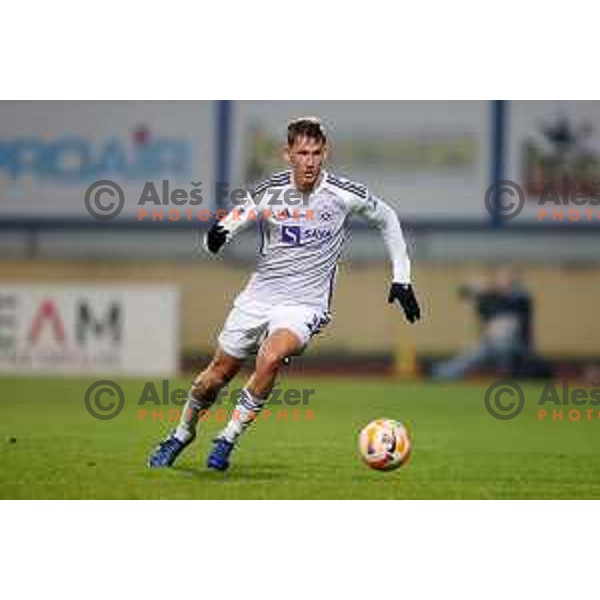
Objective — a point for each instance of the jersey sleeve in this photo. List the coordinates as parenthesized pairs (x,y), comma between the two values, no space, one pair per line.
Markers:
(242,215)
(246,211)
(378,212)
(249,210)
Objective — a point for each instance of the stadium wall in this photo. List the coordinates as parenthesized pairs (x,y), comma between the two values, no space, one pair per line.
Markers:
(363,322)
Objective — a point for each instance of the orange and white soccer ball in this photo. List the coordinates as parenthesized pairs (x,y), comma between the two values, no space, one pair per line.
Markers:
(384,444)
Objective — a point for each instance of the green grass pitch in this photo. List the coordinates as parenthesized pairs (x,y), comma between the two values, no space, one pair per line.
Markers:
(50,447)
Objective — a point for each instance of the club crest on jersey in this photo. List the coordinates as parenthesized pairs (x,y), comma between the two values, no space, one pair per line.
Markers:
(327,209)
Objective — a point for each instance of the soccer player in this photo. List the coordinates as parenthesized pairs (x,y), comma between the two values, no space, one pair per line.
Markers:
(287,299)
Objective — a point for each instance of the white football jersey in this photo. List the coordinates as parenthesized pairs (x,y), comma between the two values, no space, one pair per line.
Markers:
(302,237)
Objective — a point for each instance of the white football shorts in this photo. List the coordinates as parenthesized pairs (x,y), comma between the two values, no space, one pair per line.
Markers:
(249,324)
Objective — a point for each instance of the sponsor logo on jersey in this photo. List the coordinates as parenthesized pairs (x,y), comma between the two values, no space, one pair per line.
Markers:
(291,234)
(317,234)
(294,235)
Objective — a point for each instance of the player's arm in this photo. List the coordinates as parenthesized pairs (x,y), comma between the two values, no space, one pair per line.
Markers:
(224,230)
(378,212)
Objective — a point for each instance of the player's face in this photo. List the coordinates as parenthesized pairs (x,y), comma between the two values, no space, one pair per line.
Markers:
(306,157)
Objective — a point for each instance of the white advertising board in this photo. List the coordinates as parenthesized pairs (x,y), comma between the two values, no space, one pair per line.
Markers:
(429,159)
(53,152)
(89,329)
(553,155)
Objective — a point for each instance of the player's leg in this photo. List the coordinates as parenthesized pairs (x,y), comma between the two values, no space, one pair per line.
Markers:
(204,391)
(278,345)
(237,340)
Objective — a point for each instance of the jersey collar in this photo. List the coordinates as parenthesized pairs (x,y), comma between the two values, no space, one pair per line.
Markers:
(320,183)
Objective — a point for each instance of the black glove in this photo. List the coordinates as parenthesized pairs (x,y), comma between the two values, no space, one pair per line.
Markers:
(403,292)
(216,237)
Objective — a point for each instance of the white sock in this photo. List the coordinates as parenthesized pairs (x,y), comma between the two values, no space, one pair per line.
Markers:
(244,413)
(186,428)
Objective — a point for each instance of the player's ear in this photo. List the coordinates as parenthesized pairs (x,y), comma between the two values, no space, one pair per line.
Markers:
(286,154)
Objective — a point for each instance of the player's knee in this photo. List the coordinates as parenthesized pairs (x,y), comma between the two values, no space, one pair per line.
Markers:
(269,361)
(199,386)
(223,372)
(215,376)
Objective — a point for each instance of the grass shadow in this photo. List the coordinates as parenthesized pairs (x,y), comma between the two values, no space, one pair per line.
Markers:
(239,474)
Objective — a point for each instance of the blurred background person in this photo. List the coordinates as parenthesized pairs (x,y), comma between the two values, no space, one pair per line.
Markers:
(504,311)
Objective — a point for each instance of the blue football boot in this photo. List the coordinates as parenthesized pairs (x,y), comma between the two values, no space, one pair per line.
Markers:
(167,451)
(218,458)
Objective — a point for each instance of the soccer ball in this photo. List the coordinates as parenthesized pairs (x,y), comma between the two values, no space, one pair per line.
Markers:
(384,444)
